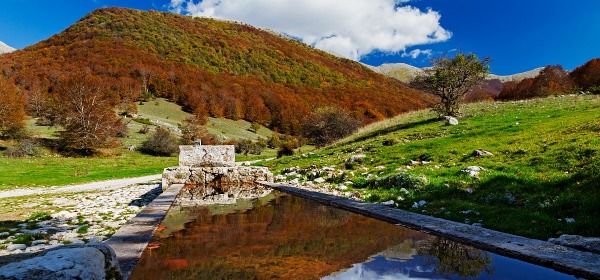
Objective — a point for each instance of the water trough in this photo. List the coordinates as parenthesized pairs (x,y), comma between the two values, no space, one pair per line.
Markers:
(197,181)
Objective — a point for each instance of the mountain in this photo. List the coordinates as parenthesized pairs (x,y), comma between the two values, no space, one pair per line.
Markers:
(4,48)
(400,71)
(212,67)
(517,77)
(406,73)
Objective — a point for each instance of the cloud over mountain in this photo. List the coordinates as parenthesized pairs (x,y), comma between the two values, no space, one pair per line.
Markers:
(351,28)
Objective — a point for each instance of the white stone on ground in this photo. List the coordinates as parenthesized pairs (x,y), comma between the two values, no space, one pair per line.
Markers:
(103,211)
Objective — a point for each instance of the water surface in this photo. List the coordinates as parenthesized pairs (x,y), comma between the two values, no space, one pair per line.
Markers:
(287,237)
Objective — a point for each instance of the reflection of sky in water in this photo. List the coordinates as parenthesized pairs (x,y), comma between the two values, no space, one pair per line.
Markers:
(380,268)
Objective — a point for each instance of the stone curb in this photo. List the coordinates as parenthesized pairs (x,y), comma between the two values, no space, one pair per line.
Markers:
(132,238)
(561,258)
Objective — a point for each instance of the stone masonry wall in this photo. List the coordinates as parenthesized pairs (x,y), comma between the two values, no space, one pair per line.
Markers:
(209,175)
(206,155)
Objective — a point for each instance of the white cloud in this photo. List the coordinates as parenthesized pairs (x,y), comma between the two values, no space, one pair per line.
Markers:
(416,53)
(351,28)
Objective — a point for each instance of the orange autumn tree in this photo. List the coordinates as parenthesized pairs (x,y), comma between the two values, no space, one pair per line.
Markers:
(552,80)
(12,110)
(587,76)
(85,113)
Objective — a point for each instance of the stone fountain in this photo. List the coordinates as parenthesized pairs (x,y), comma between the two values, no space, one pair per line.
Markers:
(209,174)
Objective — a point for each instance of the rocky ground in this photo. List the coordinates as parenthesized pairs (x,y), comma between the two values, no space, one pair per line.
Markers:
(91,215)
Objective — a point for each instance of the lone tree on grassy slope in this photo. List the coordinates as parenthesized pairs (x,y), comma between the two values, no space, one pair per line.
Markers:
(451,78)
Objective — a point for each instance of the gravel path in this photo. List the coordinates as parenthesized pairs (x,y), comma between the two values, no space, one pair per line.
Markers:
(103,185)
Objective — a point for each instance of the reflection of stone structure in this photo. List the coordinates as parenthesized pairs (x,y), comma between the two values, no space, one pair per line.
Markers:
(210,175)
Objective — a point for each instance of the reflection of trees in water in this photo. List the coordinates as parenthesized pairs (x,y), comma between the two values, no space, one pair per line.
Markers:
(454,258)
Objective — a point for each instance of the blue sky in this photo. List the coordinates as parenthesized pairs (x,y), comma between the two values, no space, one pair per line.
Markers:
(517,35)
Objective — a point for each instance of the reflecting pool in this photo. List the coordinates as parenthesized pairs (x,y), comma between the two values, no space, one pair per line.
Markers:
(287,237)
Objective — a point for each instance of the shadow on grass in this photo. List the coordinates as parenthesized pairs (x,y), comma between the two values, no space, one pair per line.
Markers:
(542,209)
(393,129)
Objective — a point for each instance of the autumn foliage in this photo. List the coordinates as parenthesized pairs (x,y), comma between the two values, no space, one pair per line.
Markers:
(327,125)
(552,80)
(210,67)
(12,110)
(587,76)
(84,111)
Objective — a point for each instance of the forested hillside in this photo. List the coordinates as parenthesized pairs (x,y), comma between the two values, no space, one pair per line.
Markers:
(211,67)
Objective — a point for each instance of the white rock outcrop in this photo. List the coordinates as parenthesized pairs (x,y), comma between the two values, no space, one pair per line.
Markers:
(96,261)
(451,120)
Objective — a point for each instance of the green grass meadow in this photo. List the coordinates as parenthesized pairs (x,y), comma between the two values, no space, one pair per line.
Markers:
(58,171)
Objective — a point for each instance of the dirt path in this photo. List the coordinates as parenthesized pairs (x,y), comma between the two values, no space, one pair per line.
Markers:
(103,185)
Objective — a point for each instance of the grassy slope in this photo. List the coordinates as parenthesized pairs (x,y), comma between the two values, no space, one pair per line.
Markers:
(217,65)
(546,165)
(163,111)
(54,170)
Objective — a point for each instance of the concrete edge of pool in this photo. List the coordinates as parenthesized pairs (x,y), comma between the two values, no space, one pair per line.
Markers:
(560,258)
(130,240)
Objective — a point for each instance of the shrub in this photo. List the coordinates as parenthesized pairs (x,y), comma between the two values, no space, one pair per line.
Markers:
(390,142)
(160,143)
(193,129)
(121,129)
(25,147)
(144,130)
(287,148)
(594,89)
(246,146)
(278,139)
(254,127)
(143,121)
(327,125)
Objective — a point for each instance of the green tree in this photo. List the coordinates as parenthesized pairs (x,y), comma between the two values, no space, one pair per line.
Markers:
(450,78)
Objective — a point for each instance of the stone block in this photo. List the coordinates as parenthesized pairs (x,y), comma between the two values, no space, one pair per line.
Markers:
(206,155)
(175,175)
